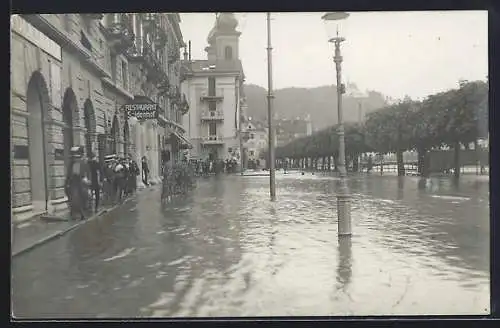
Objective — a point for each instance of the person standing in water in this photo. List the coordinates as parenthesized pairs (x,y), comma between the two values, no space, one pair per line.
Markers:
(75,183)
(96,175)
(145,170)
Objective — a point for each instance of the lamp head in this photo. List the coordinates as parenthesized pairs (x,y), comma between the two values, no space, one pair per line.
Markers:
(333,24)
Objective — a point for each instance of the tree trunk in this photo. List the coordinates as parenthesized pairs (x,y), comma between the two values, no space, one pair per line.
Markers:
(422,165)
(335,164)
(456,159)
(476,153)
(381,158)
(355,163)
(401,164)
(399,155)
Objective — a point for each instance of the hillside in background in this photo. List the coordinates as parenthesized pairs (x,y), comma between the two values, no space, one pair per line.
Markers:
(320,103)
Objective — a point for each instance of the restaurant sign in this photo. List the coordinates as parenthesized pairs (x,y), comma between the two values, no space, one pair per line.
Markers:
(143,111)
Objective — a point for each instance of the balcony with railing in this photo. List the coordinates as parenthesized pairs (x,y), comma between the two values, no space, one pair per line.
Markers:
(143,53)
(212,115)
(212,140)
(119,31)
(213,95)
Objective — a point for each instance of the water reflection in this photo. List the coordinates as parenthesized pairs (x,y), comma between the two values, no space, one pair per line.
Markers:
(455,182)
(273,219)
(401,186)
(344,265)
(422,184)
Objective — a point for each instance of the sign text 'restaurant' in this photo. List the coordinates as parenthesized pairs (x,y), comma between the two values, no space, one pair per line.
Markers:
(142,111)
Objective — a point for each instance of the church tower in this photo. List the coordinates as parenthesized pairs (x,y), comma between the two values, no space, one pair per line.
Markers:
(223,39)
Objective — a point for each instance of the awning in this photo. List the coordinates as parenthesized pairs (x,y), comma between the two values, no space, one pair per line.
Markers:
(183,139)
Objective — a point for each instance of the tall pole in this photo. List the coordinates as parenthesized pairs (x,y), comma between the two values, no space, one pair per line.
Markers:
(270,96)
(360,111)
(343,197)
(360,121)
(240,132)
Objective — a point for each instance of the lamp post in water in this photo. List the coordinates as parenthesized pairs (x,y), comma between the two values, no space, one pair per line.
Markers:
(333,20)
(270,114)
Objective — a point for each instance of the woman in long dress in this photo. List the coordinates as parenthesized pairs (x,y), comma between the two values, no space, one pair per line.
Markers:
(76,190)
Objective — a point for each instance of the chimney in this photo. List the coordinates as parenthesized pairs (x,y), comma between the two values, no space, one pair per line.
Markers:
(189,50)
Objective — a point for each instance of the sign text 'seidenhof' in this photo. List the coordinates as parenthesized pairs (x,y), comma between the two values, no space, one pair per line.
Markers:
(143,111)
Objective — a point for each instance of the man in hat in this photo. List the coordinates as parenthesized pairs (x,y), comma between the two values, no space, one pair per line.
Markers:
(108,184)
(95,175)
(75,183)
(133,173)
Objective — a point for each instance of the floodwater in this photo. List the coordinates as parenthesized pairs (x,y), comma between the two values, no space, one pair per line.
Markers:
(418,247)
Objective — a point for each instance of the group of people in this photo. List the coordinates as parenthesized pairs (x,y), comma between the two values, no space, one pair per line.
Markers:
(178,177)
(88,178)
(115,178)
(206,167)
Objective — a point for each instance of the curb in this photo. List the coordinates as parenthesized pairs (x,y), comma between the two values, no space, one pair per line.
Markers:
(63,232)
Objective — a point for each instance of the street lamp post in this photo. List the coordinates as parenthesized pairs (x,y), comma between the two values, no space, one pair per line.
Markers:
(270,114)
(343,196)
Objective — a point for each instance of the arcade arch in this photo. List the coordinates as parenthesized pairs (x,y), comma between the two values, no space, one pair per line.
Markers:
(38,104)
(90,125)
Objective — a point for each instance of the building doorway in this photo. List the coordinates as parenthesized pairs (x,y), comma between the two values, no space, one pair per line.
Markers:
(37,100)
(70,114)
(213,154)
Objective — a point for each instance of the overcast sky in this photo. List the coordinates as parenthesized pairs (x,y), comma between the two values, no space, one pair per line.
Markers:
(396,53)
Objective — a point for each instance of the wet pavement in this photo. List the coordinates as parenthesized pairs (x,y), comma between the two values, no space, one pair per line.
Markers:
(226,250)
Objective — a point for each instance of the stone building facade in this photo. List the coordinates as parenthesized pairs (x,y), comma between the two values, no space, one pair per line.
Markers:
(214,87)
(71,74)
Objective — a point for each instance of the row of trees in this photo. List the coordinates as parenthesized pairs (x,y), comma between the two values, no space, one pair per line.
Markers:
(452,118)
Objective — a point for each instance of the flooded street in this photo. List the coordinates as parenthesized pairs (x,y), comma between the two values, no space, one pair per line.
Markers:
(226,250)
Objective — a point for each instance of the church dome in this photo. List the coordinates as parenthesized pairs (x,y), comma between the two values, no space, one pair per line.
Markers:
(227,21)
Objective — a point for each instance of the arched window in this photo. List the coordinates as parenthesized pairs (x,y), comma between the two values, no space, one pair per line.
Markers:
(228,53)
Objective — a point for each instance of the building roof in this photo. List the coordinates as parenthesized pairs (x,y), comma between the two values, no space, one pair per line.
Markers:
(220,66)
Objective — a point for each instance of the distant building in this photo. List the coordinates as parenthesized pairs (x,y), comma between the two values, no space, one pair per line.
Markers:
(255,136)
(290,129)
(214,88)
